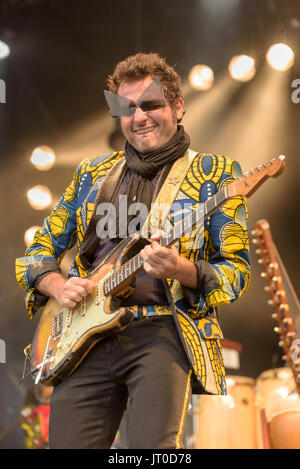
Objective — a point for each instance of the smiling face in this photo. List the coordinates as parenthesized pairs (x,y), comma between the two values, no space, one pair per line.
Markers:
(149,130)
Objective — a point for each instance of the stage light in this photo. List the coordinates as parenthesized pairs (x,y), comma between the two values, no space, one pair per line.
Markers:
(43,158)
(4,50)
(39,197)
(201,77)
(29,234)
(242,68)
(280,57)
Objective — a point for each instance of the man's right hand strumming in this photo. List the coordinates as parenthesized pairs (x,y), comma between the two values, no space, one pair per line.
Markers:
(66,292)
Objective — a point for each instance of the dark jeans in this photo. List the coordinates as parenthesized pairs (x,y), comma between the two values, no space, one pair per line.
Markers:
(145,363)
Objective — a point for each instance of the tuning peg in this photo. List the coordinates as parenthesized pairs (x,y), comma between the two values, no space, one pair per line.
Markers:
(260,261)
(258,251)
(294,346)
(278,295)
(263,274)
(283,307)
(284,357)
(280,292)
(287,321)
(271,302)
(278,330)
(291,335)
(275,316)
(254,241)
(271,269)
(267,288)
(281,344)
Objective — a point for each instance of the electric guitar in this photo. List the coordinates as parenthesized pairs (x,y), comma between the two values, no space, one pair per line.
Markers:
(284,298)
(65,335)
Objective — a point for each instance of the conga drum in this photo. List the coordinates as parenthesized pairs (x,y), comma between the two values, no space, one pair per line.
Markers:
(276,393)
(228,422)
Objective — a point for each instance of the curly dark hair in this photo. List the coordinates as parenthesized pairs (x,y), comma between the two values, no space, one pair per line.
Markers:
(139,66)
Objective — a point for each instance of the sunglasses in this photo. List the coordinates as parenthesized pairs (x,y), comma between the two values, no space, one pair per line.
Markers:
(150,100)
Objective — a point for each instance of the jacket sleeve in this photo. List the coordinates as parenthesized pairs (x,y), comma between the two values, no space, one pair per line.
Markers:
(51,242)
(223,265)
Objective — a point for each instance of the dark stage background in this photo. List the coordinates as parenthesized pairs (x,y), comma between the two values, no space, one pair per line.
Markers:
(61,54)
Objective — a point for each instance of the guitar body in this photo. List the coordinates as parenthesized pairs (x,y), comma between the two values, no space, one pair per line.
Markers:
(65,335)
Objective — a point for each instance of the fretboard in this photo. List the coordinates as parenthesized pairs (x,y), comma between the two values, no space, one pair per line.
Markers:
(132,267)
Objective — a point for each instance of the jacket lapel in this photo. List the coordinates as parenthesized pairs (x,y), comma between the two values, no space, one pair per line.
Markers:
(105,193)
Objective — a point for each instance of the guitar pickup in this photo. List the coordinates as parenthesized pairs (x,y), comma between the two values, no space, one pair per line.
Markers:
(57,325)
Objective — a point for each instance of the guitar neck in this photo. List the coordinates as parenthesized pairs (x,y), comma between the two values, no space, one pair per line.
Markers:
(136,263)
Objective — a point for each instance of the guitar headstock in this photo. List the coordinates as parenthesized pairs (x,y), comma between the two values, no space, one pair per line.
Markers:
(274,275)
(250,181)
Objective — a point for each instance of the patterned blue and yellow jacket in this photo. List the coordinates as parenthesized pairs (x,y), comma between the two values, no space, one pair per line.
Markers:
(224,244)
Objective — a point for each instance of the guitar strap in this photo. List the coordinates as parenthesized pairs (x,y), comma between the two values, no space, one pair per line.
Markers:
(167,194)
